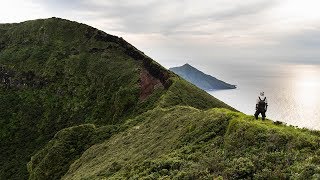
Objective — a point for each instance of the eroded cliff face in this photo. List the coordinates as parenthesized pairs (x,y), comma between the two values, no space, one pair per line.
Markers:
(148,84)
(152,75)
(153,68)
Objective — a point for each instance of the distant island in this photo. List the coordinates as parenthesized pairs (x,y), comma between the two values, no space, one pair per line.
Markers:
(200,79)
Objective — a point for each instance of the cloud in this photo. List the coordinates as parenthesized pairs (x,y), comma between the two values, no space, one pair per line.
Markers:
(309,38)
(17,11)
(163,17)
(203,30)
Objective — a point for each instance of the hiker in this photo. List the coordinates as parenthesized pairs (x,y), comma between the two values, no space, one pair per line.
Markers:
(261,106)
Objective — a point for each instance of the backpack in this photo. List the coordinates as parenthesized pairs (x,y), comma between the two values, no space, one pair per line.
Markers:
(262,104)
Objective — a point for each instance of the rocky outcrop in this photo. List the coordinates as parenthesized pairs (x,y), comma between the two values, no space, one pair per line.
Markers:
(148,84)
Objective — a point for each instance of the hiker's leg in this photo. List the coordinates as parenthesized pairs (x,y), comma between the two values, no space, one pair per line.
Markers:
(263,113)
(256,114)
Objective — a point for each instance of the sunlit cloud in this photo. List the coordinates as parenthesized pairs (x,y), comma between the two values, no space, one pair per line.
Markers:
(18,10)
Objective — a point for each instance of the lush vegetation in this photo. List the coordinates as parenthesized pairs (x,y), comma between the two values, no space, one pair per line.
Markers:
(57,74)
(187,143)
(67,145)
(79,103)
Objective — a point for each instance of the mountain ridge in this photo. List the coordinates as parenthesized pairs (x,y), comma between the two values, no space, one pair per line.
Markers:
(77,102)
(57,74)
(186,143)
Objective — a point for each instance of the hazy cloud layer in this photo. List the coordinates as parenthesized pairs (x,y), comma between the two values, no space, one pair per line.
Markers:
(204,31)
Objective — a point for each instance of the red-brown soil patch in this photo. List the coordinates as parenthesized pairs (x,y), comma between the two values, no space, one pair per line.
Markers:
(148,84)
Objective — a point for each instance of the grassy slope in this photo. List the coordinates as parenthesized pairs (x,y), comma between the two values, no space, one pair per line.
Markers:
(92,93)
(184,142)
(182,92)
(81,86)
(87,77)
(68,144)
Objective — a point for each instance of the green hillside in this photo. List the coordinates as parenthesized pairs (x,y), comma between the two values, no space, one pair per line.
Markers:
(77,103)
(188,143)
(57,74)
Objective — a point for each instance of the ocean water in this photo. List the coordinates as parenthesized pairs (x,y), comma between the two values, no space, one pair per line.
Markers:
(293,91)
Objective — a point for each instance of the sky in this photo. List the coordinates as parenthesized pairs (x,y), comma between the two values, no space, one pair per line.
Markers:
(202,32)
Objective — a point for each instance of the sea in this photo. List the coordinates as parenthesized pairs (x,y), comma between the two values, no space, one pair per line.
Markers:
(292,90)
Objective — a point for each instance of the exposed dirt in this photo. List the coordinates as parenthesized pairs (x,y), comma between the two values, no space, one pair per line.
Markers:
(148,84)
(154,69)
(153,74)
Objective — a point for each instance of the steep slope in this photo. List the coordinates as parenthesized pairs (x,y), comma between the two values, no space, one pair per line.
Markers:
(200,79)
(78,103)
(55,74)
(187,143)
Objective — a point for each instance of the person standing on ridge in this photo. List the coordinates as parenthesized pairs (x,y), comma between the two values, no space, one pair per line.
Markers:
(261,106)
